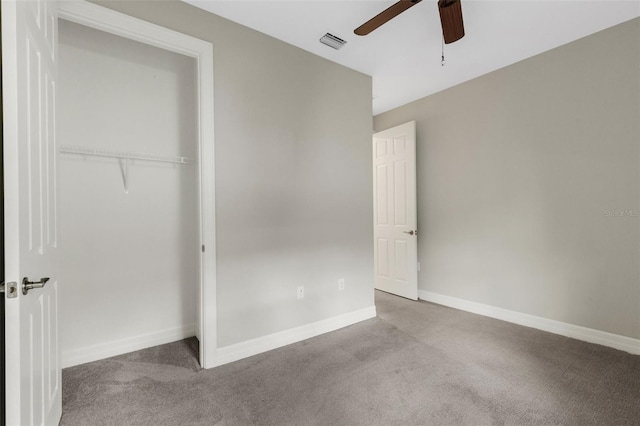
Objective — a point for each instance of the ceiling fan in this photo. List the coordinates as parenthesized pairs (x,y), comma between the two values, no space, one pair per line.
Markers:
(450,17)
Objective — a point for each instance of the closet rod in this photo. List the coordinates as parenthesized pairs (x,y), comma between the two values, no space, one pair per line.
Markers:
(122,155)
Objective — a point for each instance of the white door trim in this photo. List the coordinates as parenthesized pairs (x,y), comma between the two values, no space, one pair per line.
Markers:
(113,22)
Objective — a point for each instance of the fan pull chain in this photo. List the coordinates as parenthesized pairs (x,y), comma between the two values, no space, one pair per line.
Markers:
(442,62)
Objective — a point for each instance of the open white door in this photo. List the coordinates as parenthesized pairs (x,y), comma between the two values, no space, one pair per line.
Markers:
(395,217)
(29,62)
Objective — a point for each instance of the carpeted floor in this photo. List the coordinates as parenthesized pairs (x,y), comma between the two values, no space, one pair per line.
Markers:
(417,363)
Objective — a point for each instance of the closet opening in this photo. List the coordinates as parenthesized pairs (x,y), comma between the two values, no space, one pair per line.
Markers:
(130,208)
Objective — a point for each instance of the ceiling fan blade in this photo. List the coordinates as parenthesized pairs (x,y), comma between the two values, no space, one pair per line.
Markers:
(451,19)
(385,16)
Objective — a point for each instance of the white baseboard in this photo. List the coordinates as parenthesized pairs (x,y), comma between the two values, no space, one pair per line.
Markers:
(130,344)
(616,341)
(252,347)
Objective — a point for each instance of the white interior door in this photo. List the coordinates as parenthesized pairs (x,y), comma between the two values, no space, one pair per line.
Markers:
(29,59)
(395,218)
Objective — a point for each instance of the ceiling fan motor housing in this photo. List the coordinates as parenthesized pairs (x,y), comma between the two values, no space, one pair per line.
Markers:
(451,19)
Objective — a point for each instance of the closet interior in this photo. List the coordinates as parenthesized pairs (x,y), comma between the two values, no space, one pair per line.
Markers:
(128,195)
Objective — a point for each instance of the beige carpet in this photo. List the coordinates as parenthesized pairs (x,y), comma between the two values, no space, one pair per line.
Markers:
(417,363)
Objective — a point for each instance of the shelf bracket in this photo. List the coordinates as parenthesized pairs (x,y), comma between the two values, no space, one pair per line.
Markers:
(124,170)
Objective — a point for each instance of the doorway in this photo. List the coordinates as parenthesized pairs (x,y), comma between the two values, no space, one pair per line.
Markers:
(33,368)
(127,179)
(395,211)
(127,194)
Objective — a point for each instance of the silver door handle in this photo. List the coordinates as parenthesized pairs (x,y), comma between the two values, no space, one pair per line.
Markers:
(30,285)
(411,232)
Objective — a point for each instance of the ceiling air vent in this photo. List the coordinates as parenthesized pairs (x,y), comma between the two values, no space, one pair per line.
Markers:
(332,41)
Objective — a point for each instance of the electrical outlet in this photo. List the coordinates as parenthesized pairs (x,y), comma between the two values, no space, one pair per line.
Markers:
(341,284)
(300,292)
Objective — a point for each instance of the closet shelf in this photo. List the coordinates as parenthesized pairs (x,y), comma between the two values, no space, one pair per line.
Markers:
(123,155)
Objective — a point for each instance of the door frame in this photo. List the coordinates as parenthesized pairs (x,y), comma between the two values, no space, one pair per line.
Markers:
(107,20)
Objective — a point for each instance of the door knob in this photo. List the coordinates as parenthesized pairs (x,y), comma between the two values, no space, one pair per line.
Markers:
(411,232)
(30,285)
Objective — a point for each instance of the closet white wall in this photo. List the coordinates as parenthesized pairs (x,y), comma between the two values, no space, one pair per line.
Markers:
(130,261)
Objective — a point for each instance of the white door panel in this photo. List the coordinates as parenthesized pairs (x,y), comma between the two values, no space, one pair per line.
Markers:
(395,216)
(29,64)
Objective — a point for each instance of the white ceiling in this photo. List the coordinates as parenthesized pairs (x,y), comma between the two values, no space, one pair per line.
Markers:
(403,56)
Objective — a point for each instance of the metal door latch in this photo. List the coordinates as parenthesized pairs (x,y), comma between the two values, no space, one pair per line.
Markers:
(30,285)
(10,288)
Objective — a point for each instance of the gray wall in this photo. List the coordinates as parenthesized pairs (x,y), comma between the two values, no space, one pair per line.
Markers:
(293,176)
(529,184)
